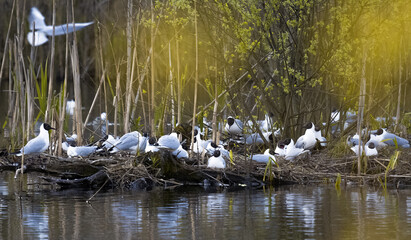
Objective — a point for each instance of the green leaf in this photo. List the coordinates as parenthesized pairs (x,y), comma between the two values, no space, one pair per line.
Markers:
(338,181)
(231,157)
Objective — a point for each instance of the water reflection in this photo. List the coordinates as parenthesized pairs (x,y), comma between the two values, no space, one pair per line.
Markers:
(289,212)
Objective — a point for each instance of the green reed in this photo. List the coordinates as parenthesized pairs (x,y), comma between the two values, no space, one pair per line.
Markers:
(269,169)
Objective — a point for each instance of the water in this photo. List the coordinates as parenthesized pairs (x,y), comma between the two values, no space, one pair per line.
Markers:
(289,212)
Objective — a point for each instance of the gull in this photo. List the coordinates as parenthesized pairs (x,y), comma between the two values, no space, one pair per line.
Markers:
(255,138)
(264,125)
(280,148)
(38,144)
(307,141)
(180,152)
(71,139)
(376,140)
(353,140)
(109,142)
(41,30)
(70,106)
(234,126)
(152,145)
(264,158)
(370,149)
(291,151)
(169,142)
(320,138)
(81,151)
(142,143)
(212,147)
(388,138)
(335,115)
(216,161)
(197,146)
(99,123)
(129,142)
(203,143)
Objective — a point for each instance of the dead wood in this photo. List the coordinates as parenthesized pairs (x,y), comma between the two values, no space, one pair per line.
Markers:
(95,180)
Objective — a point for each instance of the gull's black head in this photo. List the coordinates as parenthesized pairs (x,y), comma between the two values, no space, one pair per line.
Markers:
(185,147)
(230,121)
(371,145)
(317,129)
(379,131)
(287,141)
(47,126)
(270,138)
(281,144)
(195,132)
(216,153)
(152,140)
(308,125)
(213,145)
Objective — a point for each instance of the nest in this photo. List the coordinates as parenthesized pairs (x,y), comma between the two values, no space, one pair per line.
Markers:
(162,169)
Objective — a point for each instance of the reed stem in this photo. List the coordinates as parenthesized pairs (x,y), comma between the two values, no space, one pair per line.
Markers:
(173,121)
(361,103)
(398,115)
(95,97)
(196,77)
(130,65)
(64,97)
(116,101)
(152,102)
(51,78)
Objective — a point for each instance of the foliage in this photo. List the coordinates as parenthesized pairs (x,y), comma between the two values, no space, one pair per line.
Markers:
(232,157)
(268,169)
(294,59)
(42,91)
(391,166)
(338,181)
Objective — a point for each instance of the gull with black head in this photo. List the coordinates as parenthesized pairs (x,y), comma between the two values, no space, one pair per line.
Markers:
(38,144)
